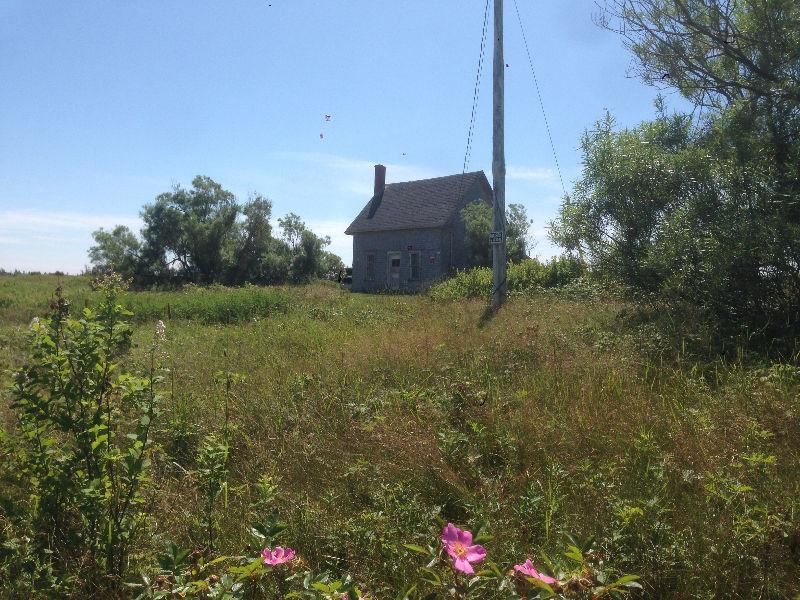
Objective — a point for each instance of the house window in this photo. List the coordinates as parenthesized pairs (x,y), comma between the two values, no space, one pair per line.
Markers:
(414,265)
(369,274)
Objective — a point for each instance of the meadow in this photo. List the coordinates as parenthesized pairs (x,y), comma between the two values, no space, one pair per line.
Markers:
(368,422)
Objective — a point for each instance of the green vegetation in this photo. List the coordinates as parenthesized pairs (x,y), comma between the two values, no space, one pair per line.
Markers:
(308,442)
(701,213)
(202,235)
(478,217)
(527,277)
(213,304)
(83,429)
(351,428)
(216,304)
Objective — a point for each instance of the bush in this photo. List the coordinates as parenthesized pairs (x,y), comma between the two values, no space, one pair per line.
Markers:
(80,456)
(524,277)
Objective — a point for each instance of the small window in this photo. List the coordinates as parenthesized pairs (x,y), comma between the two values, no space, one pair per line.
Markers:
(369,274)
(414,262)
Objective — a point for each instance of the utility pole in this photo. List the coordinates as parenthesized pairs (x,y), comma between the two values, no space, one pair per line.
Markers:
(498,235)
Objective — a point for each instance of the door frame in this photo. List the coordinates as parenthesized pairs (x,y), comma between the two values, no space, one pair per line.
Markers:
(389,256)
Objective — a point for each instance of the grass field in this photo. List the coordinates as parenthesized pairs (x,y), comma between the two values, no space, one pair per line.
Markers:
(367,418)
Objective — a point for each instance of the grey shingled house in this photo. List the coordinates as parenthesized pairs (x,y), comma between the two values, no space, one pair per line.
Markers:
(411,234)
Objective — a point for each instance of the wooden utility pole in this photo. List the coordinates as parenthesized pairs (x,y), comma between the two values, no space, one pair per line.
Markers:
(498,236)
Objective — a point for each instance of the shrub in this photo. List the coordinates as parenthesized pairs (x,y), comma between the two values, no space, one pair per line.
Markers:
(84,432)
(523,277)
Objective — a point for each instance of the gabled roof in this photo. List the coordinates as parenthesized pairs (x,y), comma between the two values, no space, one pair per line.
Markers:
(422,204)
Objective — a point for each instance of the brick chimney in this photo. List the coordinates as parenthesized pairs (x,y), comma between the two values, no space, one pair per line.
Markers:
(380,180)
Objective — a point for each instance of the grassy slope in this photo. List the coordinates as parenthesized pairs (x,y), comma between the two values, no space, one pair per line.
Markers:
(376,414)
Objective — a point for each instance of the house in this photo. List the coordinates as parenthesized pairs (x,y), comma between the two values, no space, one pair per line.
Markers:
(411,234)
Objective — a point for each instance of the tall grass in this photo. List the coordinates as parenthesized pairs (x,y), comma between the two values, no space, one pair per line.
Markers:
(24,296)
(374,416)
(216,304)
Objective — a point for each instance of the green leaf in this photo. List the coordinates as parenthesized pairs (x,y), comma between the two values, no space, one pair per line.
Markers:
(432,576)
(626,579)
(417,549)
(574,553)
(405,594)
(541,585)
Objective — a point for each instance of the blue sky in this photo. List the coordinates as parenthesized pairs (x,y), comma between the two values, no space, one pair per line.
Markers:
(105,104)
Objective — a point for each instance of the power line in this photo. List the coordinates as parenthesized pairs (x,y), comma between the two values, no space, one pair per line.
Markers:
(476,90)
(539,94)
(475,96)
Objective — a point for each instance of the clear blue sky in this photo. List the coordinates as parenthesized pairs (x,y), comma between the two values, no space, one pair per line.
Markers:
(103,105)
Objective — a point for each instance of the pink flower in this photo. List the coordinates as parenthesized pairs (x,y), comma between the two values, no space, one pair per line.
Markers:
(528,569)
(459,546)
(278,556)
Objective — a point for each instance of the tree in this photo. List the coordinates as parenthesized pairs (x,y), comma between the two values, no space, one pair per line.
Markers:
(331,265)
(254,239)
(308,261)
(202,235)
(115,250)
(292,227)
(517,227)
(478,220)
(276,262)
(697,210)
(186,230)
(715,52)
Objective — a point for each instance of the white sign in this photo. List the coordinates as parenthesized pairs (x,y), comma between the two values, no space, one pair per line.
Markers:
(496,237)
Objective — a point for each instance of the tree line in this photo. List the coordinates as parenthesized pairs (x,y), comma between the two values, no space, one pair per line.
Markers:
(701,211)
(202,235)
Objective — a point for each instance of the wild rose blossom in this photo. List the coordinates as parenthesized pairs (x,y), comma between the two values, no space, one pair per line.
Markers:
(459,546)
(277,556)
(528,569)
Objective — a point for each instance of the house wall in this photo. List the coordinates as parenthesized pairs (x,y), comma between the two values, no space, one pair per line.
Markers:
(429,242)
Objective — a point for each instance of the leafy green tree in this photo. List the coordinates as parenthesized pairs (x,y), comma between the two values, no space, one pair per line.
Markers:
(517,227)
(629,180)
(186,230)
(292,227)
(275,263)
(201,235)
(478,219)
(700,212)
(116,250)
(330,265)
(254,240)
(715,52)
(308,259)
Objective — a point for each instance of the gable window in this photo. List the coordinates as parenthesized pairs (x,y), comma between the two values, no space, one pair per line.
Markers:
(369,274)
(414,266)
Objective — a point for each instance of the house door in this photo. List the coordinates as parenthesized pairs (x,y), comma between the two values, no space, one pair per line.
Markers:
(393,278)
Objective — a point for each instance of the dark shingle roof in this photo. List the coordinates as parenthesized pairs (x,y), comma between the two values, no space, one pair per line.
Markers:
(427,203)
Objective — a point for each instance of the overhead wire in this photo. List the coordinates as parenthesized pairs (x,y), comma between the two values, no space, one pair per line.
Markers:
(475,97)
(539,95)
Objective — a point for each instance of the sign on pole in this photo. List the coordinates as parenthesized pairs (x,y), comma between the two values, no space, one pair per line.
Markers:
(496,237)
